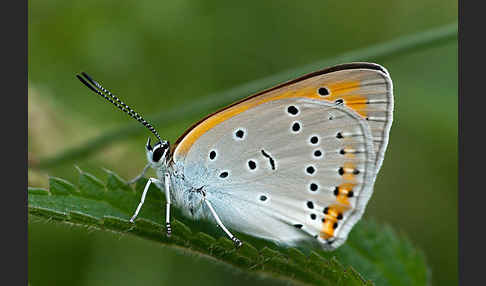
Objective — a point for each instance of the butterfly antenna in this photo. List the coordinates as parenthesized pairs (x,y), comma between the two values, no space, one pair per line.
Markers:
(106,94)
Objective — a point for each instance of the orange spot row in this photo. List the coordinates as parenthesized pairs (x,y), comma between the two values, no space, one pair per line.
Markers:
(332,213)
(331,219)
(327,229)
(344,191)
(348,152)
(343,198)
(348,172)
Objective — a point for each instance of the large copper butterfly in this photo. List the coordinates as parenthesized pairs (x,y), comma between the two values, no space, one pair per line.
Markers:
(297,161)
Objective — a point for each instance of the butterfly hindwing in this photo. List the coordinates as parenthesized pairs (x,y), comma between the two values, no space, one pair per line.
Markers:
(265,176)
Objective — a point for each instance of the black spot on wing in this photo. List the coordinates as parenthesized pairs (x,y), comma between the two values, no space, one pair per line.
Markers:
(223,174)
(272,161)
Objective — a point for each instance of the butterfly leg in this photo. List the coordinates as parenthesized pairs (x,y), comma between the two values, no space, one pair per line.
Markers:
(235,240)
(144,194)
(167,205)
(140,175)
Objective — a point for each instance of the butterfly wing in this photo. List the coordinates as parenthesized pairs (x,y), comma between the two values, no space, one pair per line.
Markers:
(365,88)
(290,163)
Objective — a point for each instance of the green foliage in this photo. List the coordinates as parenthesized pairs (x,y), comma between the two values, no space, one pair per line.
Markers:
(390,49)
(177,61)
(372,251)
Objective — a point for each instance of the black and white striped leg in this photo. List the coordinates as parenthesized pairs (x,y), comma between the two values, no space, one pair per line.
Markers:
(235,240)
(144,194)
(141,174)
(167,205)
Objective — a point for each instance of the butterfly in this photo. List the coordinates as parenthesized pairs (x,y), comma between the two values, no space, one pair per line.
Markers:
(294,162)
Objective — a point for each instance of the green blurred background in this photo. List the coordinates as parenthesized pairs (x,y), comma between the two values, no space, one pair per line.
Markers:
(162,55)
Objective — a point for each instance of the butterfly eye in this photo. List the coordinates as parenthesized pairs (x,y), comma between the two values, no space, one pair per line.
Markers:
(159,151)
(157,154)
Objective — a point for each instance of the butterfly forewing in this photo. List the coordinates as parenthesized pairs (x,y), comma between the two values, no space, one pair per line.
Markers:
(295,161)
(365,88)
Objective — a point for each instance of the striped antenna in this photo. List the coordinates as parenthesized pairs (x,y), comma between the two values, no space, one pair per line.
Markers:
(106,94)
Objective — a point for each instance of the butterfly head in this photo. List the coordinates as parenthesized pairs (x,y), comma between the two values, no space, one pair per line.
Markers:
(157,155)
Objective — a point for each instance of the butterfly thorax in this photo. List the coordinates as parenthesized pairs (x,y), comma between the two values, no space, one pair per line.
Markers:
(184,194)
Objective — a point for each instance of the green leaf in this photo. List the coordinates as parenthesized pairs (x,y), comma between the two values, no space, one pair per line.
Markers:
(373,254)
